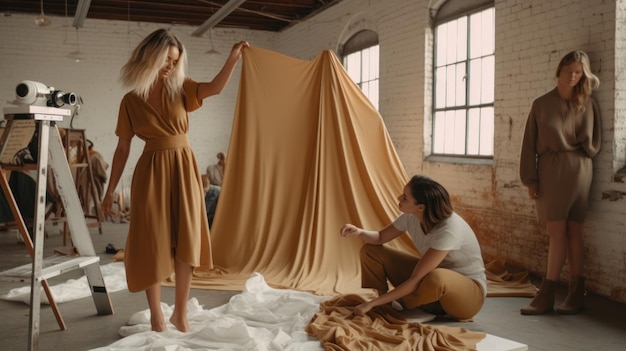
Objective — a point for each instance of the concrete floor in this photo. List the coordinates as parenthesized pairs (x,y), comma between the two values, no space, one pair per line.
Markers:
(601,327)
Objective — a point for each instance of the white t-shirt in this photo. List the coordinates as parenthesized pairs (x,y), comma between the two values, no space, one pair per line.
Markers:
(453,235)
(215,174)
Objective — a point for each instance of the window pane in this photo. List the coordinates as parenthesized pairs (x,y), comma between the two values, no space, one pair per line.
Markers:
(365,68)
(461,36)
(453,138)
(373,92)
(440,84)
(487,80)
(480,131)
(459,131)
(441,34)
(475,81)
(438,134)
(374,66)
(488,31)
(475,36)
(451,47)
(353,66)
(450,86)
(460,84)
(473,131)
(486,131)
(482,33)
(448,146)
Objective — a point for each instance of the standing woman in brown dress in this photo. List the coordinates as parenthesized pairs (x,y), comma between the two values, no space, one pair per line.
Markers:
(168,229)
(562,135)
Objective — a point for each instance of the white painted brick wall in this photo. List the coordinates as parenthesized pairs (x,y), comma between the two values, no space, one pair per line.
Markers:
(531,37)
(33,53)
(620,86)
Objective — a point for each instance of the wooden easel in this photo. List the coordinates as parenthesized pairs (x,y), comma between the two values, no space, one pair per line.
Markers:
(75,139)
(50,153)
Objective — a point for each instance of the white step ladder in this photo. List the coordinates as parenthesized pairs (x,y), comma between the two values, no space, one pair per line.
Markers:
(19,127)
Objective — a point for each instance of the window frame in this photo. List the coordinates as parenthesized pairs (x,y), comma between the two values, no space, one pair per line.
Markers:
(358,43)
(439,151)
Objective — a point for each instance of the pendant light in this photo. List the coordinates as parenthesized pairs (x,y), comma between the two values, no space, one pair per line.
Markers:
(42,20)
(212,51)
(76,55)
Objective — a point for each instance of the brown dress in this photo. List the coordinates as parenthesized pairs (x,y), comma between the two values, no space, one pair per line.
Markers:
(168,216)
(556,155)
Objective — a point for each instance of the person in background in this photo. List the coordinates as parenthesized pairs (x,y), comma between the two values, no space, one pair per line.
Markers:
(562,135)
(215,174)
(211,196)
(168,230)
(99,169)
(449,278)
(216,171)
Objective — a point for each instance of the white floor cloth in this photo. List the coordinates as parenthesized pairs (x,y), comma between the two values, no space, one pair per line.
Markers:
(260,318)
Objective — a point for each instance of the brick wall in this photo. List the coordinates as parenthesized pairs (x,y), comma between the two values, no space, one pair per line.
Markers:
(531,37)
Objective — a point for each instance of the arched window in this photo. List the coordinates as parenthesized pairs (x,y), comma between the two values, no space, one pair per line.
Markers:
(463,84)
(360,58)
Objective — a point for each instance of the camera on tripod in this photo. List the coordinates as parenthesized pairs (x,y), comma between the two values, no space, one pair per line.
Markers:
(29,92)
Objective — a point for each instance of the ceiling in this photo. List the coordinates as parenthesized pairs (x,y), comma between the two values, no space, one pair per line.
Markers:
(266,15)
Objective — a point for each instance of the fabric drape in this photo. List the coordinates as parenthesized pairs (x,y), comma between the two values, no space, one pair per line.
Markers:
(382,328)
(308,153)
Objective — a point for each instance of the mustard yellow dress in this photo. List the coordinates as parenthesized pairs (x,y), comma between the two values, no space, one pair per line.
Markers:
(556,156)
(168,216)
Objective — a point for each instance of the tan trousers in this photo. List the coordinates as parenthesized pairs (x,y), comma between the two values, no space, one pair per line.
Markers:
(459,296)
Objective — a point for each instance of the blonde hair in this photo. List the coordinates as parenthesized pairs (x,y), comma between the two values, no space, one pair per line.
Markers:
(587,83)
(142,69)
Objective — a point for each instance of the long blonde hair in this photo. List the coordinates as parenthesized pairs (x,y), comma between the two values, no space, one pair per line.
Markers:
(587,83)
(142,69)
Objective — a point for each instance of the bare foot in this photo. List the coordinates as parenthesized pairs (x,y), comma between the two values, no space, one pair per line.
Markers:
(180,323)
(158,325)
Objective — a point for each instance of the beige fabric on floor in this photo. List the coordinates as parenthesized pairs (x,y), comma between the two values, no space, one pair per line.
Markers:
(308,153)
(502,283)
(383,329)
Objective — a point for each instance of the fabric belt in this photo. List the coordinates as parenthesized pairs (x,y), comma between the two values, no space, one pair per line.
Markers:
(170,142)
(554,155)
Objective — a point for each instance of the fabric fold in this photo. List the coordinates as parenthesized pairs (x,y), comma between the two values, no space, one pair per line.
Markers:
(308,153)
(381,329)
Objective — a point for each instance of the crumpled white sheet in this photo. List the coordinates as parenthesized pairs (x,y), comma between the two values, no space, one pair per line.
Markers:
(113,274)
(260,318)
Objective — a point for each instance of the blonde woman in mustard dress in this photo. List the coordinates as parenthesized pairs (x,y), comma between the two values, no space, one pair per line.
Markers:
(168,229)
(562,135)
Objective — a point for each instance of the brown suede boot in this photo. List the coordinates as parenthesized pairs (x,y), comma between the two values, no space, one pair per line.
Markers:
(543,302)
(575,301)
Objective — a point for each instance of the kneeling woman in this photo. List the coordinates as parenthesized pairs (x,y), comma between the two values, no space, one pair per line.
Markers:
(449,278)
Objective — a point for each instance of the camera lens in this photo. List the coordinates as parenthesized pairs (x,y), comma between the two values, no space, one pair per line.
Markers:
(69,98)
(21,90)
(58,99)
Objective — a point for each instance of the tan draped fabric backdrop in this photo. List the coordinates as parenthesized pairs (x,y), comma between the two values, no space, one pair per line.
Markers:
(308,153)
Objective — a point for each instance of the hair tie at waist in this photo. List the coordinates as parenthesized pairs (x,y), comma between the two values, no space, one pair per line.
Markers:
(170,142)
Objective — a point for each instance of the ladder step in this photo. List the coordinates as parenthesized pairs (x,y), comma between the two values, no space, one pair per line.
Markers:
(51,267)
